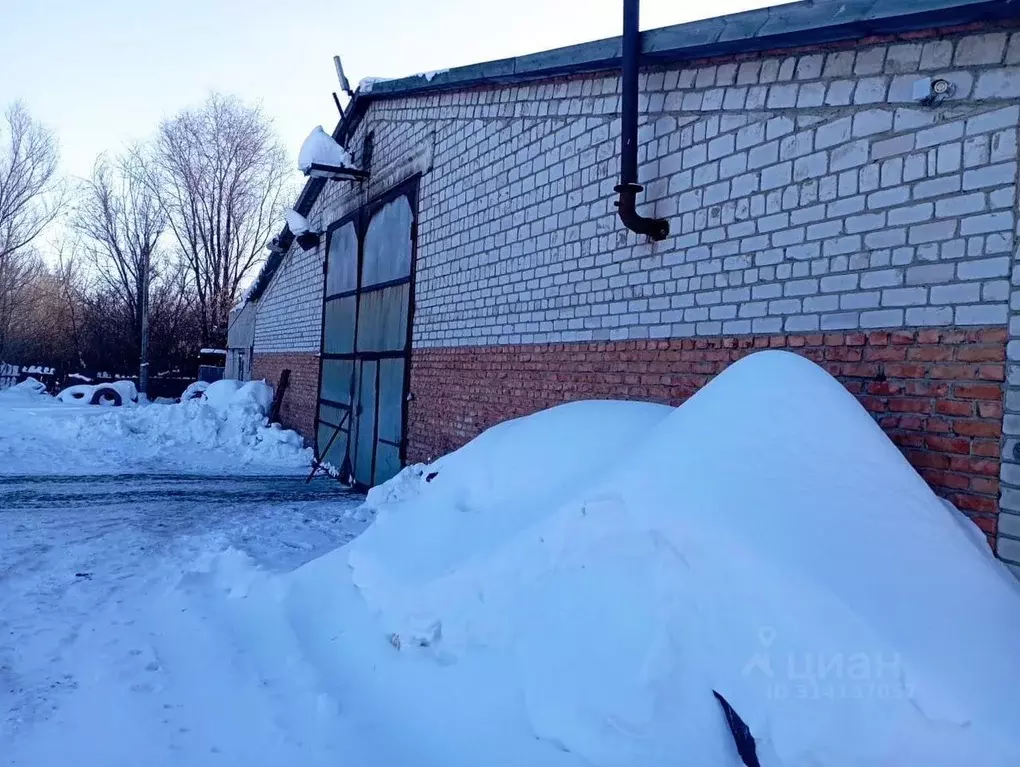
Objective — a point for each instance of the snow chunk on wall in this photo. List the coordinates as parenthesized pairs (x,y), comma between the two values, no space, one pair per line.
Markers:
(297,223)
(320,149)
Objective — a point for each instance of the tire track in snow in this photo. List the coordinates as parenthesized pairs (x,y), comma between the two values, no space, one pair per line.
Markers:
(34,492)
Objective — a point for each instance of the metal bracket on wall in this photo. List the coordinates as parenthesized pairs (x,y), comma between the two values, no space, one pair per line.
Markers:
(336,172)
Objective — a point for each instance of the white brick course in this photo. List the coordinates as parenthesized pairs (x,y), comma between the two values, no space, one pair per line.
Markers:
(804,192)
(288,316)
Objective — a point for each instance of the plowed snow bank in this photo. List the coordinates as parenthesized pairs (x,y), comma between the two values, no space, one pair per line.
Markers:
(226,430)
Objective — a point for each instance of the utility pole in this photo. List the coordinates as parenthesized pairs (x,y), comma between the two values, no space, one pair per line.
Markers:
(143,366)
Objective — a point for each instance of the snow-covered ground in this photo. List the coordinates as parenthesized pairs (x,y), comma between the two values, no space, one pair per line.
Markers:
(114,526)
(569,589)
(112,650)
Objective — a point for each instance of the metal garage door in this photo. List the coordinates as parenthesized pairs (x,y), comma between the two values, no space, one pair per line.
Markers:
(366,338)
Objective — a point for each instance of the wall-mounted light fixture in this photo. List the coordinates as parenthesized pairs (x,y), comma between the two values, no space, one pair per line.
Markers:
(309,240)
(932,92)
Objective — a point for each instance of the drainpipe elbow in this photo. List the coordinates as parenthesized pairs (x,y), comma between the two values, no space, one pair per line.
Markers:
(656,228)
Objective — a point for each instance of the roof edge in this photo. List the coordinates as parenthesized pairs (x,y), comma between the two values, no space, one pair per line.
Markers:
(793,25)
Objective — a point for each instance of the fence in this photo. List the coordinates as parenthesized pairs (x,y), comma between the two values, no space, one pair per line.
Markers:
(8,375)
(159,386)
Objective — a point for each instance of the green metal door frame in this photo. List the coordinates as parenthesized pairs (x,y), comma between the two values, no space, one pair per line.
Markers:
(326,422)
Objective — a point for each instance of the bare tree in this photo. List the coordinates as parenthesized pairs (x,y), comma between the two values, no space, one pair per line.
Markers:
(71,288)
(220,174)
(119,221)
(31,196)
(20,274)
(87,326)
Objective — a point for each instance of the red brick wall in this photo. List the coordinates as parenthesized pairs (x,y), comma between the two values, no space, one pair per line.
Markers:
(298,408)
(937,393)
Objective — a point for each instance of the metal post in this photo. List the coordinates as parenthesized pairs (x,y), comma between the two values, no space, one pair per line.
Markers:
(143,366)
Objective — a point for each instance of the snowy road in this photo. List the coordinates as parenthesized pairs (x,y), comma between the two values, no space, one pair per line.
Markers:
(102,648)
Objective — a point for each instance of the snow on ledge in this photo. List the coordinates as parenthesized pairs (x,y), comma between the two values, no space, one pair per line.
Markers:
(320,149)
(297,223)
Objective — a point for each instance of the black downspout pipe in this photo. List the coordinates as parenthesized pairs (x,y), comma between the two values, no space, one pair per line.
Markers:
(656,228)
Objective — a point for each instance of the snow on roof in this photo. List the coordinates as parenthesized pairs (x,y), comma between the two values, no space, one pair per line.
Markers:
(320,149)
(298,224)
(366,83)
(245,294)
(212,351)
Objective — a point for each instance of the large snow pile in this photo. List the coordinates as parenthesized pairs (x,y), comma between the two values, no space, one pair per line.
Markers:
(321,149)
(572,587)
(223,429)
(229,419)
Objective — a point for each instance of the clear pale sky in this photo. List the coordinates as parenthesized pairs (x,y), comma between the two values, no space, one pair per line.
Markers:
(102,73)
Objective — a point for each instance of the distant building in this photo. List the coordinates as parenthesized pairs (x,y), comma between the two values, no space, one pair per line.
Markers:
(240,335)
(840,180)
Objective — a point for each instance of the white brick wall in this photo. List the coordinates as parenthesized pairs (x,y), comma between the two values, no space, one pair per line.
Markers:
(805,192)
(812,183)
(289,313)
(770,172)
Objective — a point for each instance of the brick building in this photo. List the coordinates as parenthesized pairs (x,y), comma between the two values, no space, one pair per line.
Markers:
(840,180)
